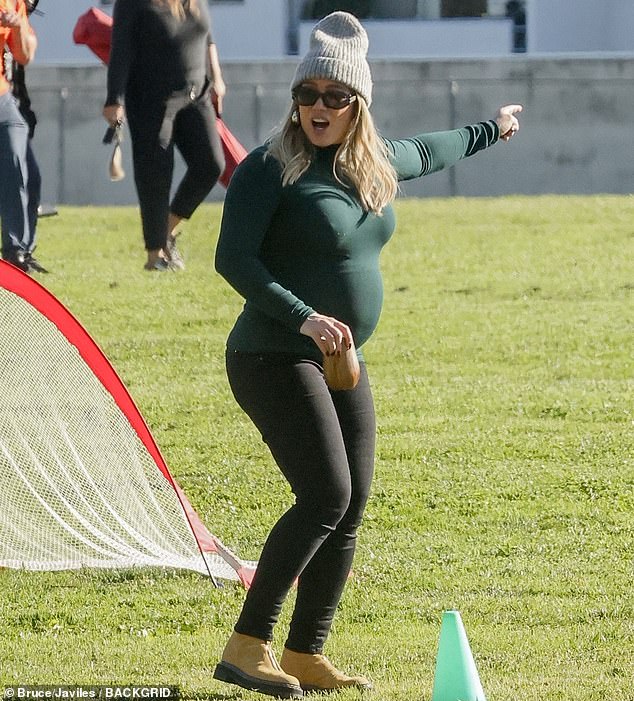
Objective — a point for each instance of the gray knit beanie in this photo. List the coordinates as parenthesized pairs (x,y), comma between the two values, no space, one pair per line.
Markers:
(338,50)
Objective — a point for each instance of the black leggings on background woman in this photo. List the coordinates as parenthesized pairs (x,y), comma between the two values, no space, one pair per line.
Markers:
(190,126)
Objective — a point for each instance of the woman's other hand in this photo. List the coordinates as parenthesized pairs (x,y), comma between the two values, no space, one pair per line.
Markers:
(331,336)
(114,114)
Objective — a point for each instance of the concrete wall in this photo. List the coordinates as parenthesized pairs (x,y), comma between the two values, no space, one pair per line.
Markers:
(575,138)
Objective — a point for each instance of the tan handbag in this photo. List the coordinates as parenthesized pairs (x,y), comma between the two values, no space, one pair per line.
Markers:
(342,370)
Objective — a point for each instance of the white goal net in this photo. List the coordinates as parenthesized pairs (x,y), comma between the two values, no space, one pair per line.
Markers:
(78,486)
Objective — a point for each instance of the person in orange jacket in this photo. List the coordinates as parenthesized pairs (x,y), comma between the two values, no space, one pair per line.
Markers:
(20,181)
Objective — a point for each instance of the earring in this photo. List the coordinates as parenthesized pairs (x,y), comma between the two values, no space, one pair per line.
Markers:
(295,116)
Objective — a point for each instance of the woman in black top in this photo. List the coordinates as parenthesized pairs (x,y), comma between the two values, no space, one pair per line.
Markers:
(158,79)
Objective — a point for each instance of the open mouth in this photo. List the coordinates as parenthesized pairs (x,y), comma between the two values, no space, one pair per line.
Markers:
(320,124)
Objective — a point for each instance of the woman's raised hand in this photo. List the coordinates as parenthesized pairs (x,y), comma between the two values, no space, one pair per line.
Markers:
(507,121)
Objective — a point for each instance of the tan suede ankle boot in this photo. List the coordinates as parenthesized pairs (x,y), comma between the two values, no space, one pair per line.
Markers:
(250,663)
(315,672)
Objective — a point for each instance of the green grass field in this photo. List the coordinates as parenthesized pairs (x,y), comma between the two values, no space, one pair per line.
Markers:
(503,373)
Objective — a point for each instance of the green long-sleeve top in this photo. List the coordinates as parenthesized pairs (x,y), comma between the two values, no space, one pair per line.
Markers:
(311,247)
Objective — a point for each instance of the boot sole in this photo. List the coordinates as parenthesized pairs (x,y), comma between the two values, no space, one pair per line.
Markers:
(226,672)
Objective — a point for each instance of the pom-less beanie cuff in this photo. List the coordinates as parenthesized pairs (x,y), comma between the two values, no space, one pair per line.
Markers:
(338,51)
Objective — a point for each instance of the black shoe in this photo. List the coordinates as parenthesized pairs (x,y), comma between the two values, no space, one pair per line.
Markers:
(17,258)
(33,264)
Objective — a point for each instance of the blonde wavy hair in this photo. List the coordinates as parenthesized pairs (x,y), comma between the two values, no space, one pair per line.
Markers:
(362,159)
(178,8)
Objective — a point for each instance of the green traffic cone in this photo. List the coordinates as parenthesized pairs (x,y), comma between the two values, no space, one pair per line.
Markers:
(456,677)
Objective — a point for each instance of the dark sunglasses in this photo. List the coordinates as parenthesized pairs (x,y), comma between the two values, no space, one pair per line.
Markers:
(307,96)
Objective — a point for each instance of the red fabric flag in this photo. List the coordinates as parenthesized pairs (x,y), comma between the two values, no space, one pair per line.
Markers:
(94,29)
(234,151)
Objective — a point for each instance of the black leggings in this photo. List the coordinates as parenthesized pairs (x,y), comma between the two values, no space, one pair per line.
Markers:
(323,442)
(156,128)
